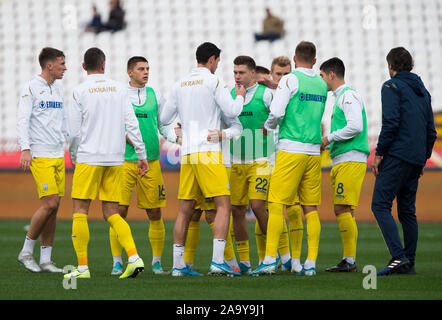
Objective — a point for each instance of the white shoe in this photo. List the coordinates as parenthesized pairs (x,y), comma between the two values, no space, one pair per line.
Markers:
(27,259)
(296,268)
(50,267)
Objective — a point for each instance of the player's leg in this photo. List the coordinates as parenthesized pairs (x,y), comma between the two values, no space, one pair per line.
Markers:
(156,235)
(44,171)
(342,188)
(239,200)
(310,198)
(283,189)
(229,252)
(129,176)
(296,232)
(110,195)
(48,233)
(241,234)
(192,238)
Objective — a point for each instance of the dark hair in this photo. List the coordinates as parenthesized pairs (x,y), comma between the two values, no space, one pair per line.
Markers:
(205,51)
(134,60)
(261,69)
(400,59)
(334,65)
(93,58)
(48,54)
(305,51)
(245,60)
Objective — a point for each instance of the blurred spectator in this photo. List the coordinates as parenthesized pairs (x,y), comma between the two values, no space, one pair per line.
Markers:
(95,24)
(114,23)
(272,28)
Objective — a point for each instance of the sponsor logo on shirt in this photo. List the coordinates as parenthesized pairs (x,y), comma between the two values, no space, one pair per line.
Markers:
(141,115)
(50,105)
(312,97)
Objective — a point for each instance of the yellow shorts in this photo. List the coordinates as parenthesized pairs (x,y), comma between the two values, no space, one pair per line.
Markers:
(296,173)
(150,188)
(89,180)
(203,175)
(346,182)
(249,181)
(49,176)
(207,204)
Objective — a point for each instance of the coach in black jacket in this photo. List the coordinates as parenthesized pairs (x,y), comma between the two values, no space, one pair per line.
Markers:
(405,143)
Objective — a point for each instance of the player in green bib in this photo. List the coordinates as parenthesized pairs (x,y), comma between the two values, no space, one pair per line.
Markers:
(151,195)
(251,167)
(348,140)
(298,106)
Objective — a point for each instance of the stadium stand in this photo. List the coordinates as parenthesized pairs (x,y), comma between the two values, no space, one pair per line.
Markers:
(168,31)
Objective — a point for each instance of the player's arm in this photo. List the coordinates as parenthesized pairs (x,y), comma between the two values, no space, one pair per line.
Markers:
(169,111)
(134,135)
(74,116)
(232,131)
(288,85)
(65,127)
(352,108)
(23,118)
(229,106)
(168,131)
(390,117)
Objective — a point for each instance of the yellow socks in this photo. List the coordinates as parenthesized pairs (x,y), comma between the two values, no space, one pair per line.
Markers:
(229,253)
(348,230)
(313,232)
(296,230)
(115,245)
(275,227)
(192,239)
(157,234)
(124,234)
(80,237)
(260,241)
(242,247)
(356,235)
(284,244)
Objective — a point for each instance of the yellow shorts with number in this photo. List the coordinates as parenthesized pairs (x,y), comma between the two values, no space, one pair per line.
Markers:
(89,180)
(346,182)
(207,204)
(296,173)
(249,181)
(203,175)
(150,188)
(49,176)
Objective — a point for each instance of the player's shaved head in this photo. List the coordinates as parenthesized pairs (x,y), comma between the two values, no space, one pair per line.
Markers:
(305,52)
(93,59)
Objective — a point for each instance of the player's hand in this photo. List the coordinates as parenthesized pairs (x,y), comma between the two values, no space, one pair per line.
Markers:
(267,81)
(324,143)
(179,133)
(375,165)
(240,90)
(264,130)
(215,135)
(143,167)
(25,160)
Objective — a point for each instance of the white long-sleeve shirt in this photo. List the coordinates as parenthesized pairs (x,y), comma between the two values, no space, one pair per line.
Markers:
(287,88)
(232,128)
(351,104)
(100,115)
(267,99)
(198,100)
(137,96)
(42,125)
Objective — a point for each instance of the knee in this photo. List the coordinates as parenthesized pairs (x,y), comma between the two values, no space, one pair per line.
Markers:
(51,204)
(154,214)
(122,210)
(210,216)
(238,212)
(196,215)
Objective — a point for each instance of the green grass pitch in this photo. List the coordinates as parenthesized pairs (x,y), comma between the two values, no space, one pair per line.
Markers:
(20,284)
